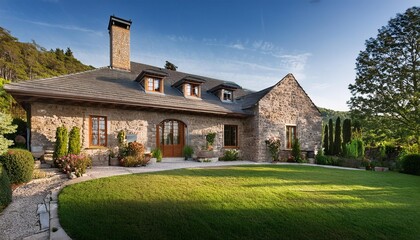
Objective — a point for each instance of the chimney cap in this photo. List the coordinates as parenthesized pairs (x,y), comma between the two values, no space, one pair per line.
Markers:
(113,20)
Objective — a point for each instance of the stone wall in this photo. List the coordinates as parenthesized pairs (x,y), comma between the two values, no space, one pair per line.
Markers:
(288,104)
(45,118)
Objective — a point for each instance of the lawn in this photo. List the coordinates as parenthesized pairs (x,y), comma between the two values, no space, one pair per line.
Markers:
(245,202)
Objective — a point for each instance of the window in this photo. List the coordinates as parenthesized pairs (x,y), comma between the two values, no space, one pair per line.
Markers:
(231,136)
(227,95)
(98,135)
(154,85)
(192,90)
(290,136)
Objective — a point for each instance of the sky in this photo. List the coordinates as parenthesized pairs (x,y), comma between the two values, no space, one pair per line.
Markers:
(253,43)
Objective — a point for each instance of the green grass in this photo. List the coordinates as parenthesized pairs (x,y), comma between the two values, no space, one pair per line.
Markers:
(245,202)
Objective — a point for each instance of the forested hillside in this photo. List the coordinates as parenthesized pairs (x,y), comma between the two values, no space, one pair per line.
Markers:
(328,114)
(23,61)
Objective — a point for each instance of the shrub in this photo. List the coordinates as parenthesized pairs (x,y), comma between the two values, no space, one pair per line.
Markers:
(325,141)
(74,141)
(187,151)
(19,165)
(273,144)
(5,188)
(230,155)
(337,137)
(61,142)
(6,127)
(296,151)
(327,160)
(330,138)
(411,164)
(157,153)
(74,163)
(135,155)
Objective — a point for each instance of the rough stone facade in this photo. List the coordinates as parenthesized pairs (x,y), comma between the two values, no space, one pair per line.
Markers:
(287,104)
(45,118)
(120,47)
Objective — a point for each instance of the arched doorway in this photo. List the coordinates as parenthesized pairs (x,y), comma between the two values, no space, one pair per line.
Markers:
(170,137)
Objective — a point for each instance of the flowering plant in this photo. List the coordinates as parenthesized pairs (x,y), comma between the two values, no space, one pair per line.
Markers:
(74,163)
(273,144)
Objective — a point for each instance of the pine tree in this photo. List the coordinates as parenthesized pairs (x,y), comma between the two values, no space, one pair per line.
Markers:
(330,137)
(325,142)
(337,137)
(74,141)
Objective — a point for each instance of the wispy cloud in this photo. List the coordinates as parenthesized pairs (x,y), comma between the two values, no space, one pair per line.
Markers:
(238,46)
(176,38)
(66,27)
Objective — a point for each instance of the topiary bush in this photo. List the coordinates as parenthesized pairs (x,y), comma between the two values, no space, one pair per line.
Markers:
(19,165)
(411,164)
(5,188)
(61,142)
(74,141)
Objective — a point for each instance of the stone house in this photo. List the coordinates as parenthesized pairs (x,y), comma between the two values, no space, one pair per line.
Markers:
(164,108)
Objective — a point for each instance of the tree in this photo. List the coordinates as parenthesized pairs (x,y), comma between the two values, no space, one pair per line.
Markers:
(386,94)
(330,137)
(337,137)
(170,66)
(325,142)
(6,127)
(69,53)
(346,134)
(74,141)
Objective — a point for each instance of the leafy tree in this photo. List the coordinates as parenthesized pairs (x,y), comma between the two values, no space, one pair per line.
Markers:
(325,142)
(170,66)
(337,137)
(330,137)
(386,94)
(61,142)
(6,127)
(74,141)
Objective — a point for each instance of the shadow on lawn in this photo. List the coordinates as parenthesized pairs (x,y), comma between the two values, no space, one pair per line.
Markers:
(124,219)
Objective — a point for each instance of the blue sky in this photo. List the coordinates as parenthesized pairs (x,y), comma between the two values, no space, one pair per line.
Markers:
(254,43)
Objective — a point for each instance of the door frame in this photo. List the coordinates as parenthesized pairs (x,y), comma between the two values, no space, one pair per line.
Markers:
(171,150)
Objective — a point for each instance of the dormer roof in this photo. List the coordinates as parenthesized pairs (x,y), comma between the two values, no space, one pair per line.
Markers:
(226,85)
(189,79)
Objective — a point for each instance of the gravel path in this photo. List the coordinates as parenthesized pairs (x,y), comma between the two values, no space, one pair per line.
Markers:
(20,219)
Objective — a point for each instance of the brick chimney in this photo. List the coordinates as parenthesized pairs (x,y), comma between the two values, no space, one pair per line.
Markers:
(119,36)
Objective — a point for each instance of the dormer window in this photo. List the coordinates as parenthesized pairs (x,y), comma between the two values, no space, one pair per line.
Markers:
(227,95)
(190,86)
(192,90)
(154,85)
(152,80)
(225,91)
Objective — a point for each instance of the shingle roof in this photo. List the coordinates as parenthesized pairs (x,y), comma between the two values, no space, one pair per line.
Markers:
(105,85)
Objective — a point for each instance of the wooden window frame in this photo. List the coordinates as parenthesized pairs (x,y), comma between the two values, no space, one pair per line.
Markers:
(223,95)
(146,84)
(236,136)
(190,92)
(289,137)
(91,128)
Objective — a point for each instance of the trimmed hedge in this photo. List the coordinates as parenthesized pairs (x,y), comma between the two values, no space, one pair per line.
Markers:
(411,164)
(5,188)
(74,141)
(19,165)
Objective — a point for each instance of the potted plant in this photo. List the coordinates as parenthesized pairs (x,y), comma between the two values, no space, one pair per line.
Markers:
(210,137)
(113,157)
(156,155)
(188,151)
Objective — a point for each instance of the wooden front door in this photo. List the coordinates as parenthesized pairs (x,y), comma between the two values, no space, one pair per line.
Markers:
(170,138)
